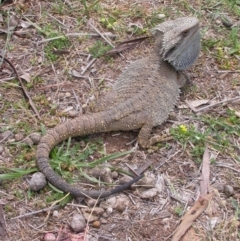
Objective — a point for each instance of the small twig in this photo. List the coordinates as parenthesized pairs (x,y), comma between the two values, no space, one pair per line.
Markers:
(78,107)
(4,80)
(98,32)
(76,205)
(88,66)
(5,137)
(35,212)
(55,85)
(225,165)
(218,103)
(56,19)
(25,93)
(160,165)
(228,71)
(110,35)
(54,205)
(34,25)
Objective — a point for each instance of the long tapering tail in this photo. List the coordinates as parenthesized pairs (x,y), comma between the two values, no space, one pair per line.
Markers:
(86,124)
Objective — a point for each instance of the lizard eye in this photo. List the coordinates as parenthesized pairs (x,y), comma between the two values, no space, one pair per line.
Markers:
(185,33)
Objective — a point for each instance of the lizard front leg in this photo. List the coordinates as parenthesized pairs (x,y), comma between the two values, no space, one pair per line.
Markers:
(145,138)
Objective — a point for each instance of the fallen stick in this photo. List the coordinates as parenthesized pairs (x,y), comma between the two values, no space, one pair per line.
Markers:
(186,221)
(25,93)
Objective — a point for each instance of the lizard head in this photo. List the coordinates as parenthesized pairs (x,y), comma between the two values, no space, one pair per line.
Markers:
(180,41)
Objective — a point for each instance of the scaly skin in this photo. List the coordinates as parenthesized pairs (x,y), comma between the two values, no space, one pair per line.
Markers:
(141,98)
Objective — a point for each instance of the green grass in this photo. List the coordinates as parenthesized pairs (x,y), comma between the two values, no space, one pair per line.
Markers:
(15,173)
(56,44)
(71,162)
(217,133)
(99,49)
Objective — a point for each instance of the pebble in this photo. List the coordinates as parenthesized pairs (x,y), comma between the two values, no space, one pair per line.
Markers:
(68,94)
(109,210)
(161,16)
(106,175)
(28,141)
(228,190)
(226,21)
(78,222)
(96,224)
(120,202)
(18,136)
(103,221)
(37,182)
(149,194)
(124,180)
(6,135)
(56,214)
(91,202)
(72,113)
(49,237)
(146,181)
(121,207)
(114,175)
(92,214)
(35,137)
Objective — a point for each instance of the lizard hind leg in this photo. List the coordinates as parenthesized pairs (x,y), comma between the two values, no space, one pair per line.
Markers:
(145,135)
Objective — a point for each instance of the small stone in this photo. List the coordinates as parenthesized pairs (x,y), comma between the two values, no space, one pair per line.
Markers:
(161,16)
(18,136)
(226,21)
(78,223)
(103,221)
(149,194)
(10,197)
(146,181)
(92,214)
(82,143)
(219,187)
(56,214)
(68,94)
(91,202)
(106,175)
(109,210)
(72,113)
(119,202)
(61,95)
(28,141)
(96,224)
(49,237)
(35,137)
(124,179)
(228,190)
(105,215)
(37,182)
(114,175)
(93,71)
(7,135)
(121,207)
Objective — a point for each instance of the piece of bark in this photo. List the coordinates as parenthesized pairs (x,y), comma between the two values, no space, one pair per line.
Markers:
(186,221)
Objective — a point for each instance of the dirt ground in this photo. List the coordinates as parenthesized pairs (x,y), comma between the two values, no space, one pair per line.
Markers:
(62,86)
